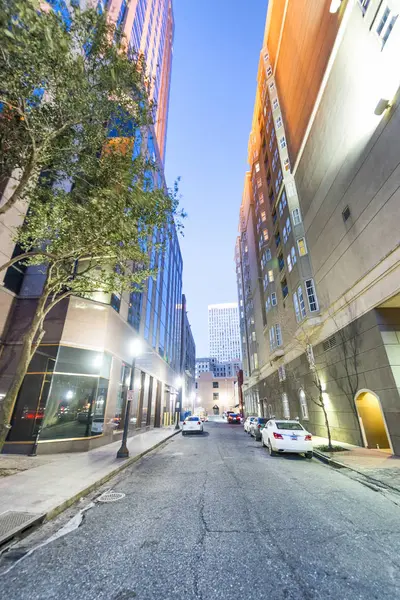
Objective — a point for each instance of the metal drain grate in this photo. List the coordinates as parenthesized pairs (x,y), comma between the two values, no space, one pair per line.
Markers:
(110,496)
(11,522)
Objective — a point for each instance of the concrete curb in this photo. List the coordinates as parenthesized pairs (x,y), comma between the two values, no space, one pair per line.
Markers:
(336,464)
(54,512)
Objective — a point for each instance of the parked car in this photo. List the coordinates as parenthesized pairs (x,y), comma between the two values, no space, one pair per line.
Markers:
(257,426)
(233,418)
(248,421)
(287,436)
(192,425)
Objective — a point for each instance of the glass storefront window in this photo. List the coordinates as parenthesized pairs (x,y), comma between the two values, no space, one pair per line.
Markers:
(123,386)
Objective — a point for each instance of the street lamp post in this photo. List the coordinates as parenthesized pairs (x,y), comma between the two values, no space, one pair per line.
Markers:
(136,348)
(178,385)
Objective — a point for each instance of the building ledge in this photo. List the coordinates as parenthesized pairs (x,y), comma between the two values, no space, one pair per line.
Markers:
(278,353)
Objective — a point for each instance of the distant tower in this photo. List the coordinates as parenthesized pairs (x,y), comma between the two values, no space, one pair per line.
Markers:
(224,332)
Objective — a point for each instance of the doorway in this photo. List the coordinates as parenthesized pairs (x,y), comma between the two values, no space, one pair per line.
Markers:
(372,421)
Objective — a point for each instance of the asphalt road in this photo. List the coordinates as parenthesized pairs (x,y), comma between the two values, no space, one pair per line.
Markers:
(214,517)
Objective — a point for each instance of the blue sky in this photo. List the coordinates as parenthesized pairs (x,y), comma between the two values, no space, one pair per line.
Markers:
(216,51)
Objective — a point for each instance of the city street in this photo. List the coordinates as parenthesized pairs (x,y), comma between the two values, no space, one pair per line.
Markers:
(215,517)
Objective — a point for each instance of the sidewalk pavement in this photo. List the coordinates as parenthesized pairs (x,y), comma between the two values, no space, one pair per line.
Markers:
(51,483)
(379,466)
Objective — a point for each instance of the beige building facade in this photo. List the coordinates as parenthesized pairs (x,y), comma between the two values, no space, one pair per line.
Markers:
(338,112)
(216,394)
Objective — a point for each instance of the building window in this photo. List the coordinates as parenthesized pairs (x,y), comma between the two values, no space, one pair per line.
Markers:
(270,276)
(259,183)
(288,226)
(383,20)
(279,122)
(284,287)
(303,405)
(265,235)
(364,5)
(389,29)
(272,342)
(215,396)
(272,86)
(282,142)
(275,104)
(266,57)
(278,335)
(284,199)
(269,72)
(253,336)
(301,302)
(282,373)
(296,308)
(284,233)
(263,215)
(257,167)
(285,404)
(268,304)
(289,263)
(268,254)
(273,299)
(311,295)
(286,164)
(215,384)
(301,245)
(293,254)
(296,216)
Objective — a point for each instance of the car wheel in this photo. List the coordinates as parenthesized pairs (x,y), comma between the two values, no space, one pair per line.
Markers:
(309,454)
(271,452)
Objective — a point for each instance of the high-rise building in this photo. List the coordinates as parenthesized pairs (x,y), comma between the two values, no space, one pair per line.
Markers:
(148,26)
(317,255)
(75,390)
(223,332)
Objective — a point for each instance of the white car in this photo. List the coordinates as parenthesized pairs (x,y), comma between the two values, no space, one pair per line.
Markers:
(192,424)
(286,436)
(247,423)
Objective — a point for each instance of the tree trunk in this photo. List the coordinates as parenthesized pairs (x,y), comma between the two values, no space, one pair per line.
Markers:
(29,345)
(26,176)
(328,428)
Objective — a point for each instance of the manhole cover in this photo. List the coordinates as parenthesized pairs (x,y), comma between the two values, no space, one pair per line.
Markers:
(11,522)
(110,496)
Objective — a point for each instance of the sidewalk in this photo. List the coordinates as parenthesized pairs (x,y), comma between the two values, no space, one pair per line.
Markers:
(379,466)
(49,484)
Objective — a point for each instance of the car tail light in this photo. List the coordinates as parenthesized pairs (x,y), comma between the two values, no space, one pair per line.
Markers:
(199,423)
(184,422)
(278,436)
(308,438)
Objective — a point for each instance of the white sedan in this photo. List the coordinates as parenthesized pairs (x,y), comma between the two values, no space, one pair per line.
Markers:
(247,423)
(286,436)
(192,424)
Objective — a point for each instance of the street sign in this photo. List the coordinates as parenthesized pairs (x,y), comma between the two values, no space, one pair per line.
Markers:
(129,395)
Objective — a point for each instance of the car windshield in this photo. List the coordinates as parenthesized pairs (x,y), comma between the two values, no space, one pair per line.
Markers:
(193,418)
(289,426)
(262,420)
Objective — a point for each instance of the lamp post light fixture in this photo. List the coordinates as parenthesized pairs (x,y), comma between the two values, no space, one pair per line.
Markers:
(135,350)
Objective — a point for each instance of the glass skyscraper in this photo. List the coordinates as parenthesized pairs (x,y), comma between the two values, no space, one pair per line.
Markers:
(75,390)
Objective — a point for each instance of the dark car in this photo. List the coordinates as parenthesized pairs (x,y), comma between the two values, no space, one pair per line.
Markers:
(257,426)
(233,418)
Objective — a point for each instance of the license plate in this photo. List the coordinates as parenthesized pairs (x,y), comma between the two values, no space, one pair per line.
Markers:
(294,437)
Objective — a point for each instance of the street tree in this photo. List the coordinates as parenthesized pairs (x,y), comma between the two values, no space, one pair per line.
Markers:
(95,237)
(61,80)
